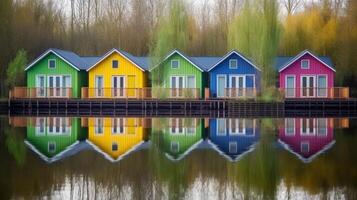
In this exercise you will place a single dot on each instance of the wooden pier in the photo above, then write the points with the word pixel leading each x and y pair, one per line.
pixel 179 107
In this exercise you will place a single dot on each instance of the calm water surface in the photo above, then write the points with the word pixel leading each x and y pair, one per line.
pixel 177 158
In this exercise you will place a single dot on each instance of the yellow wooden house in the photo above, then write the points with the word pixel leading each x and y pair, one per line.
pixel 115 138
pixel 117 74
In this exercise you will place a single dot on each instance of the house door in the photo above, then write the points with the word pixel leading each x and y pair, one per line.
pixel 131 89
pixel 99 86
pixel 54 84
pixel 40 86
pixel 118 85
pixel 290 87
pixel 221 85
pixel 237 86
pixel 308 86
pixel 177 84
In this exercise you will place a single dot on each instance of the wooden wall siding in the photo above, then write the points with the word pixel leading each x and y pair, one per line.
pixel 244 68
pixel 316 68
pixel 185 69
pixel 62 68
pixel 62 141
pixel 133 135
pixel 126 68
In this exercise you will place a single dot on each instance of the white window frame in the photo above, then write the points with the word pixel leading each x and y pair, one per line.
pixel 225 127
pixel 96 132
pixel 176 131
pixel 286 85
pixel 313 133
pixel 236 147
pixel 317 127
pixel 118 128
pixel 194 77
pixel 178 146
pixel 48 146
pixel 308 63
pixel 317 85
pixel 305 143
pixel 230 64
pixel 286 127
pixel 124 85
pixel 313 88
pixel 38 128
pixel 225 84
pixel 96 87
pixel 190 131
pixel 237 131
pixel 38 88
pixel 113 64
pixel 48 63
pixel 55 125
pixel 178 64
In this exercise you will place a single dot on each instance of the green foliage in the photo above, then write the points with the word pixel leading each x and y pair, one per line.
pixel 171 33
pixel 256 32
pixel 15 71
pixel 15 146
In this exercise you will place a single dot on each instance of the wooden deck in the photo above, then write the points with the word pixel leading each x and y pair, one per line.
pixel 179 107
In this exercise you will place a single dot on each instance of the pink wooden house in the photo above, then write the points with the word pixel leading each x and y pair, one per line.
pixel 306 76
pixel 307 137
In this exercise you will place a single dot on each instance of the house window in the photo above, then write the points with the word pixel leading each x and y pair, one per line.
pixel 115 63
pixel 114 146
pixel 305 147
pixel 233 147
pixel 51 63
pixel 289 126
pixel 322 127
pixel 98 126
pixel 51 147
pixel 175 147
pixel 221 127
pixel 236 127
pixel 175 64
pixel 305 64
pixel 117 126
pixel 233 64
pixel 177 126
pixel 40 126
pixel 191 126
pixel 307 126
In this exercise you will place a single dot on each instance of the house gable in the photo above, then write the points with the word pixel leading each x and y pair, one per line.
pixel 242 61
pixel 305 55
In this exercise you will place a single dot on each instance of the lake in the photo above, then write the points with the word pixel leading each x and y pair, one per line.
pixel 177 158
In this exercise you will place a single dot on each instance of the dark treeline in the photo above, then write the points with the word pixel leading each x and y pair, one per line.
pixel 261 29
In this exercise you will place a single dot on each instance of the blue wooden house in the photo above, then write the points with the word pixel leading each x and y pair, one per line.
pixel 234 76
pixel 233 138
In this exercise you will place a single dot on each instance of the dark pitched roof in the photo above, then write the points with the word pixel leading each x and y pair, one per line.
pixel 205 63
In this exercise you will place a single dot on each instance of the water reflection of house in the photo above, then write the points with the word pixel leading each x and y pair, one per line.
pixel 307 137
pixel 179 137
pixel 116 137
pixel 54 138
pixel 233 138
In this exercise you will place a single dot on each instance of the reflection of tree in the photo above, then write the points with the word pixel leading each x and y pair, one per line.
pixel 15 145
pixel 336 169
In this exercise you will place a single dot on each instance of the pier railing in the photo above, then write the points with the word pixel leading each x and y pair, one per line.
pixel 240 93
pixel 314 92
pixel 141 93
pixel 41 92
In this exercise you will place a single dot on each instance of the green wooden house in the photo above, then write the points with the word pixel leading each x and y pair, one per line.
pixel 177 137
pixel 180 76
pixel 57 74
pixel 54 138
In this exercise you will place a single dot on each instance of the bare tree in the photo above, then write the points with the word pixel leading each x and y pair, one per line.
pixel 291 5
